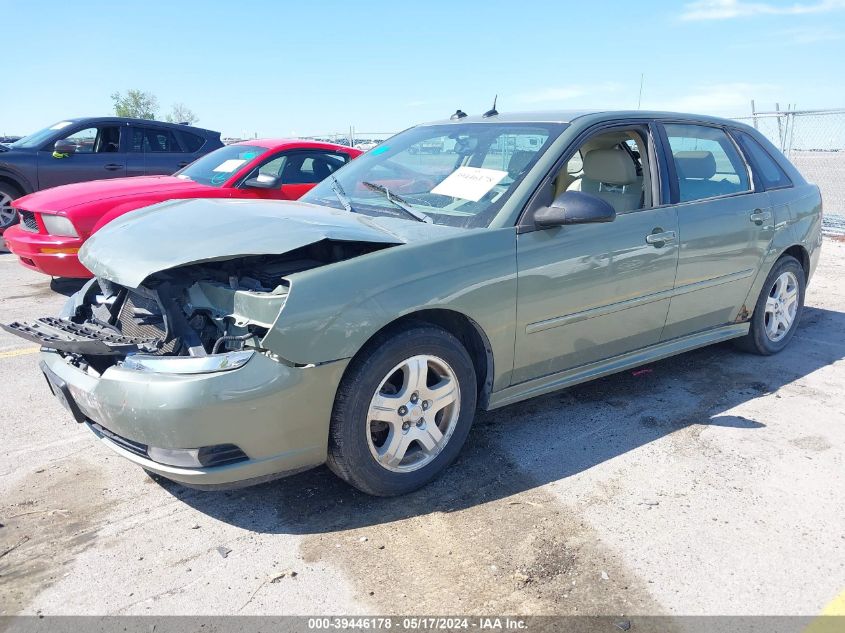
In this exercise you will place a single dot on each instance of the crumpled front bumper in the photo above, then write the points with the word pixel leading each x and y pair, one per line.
pixel 276 414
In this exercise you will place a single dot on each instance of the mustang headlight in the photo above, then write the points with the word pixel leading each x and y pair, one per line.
pixel 58 225
pixel 188 364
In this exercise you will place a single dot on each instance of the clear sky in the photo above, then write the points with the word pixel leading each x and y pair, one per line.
pixel 317 67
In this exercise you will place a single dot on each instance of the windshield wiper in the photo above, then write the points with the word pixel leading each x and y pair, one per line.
pixel 341 194
pixel 397 201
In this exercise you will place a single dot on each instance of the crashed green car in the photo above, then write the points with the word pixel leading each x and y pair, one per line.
pixel 463 264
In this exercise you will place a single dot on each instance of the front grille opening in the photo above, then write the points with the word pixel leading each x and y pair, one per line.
pixel 133 447
pixel 142 317
pixel 28 222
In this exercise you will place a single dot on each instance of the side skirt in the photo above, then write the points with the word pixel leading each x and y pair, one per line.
pixel 571 377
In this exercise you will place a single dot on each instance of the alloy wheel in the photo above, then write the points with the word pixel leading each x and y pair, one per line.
pixel 7 214
pixel 413 413
pixel 781 306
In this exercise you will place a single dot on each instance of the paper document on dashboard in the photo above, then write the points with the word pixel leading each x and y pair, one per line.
pixel 469 183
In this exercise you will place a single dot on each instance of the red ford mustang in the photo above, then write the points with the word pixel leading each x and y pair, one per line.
pixel 54 223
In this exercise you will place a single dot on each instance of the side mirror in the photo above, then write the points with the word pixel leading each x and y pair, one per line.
pixel 64 146
pixel 263 181
pixel 574 207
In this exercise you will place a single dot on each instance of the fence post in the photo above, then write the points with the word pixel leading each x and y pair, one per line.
pixel 780 129
pixel 790 127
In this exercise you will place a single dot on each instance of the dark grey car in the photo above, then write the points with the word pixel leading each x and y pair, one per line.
pixel 75 150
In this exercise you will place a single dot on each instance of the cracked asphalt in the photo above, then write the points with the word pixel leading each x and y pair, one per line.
pixel 709 483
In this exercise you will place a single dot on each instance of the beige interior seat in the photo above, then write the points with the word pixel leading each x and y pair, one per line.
pixel 610 165
pixel 697 176
pixel 611 175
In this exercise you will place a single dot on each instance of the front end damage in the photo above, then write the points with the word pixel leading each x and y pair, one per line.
pixel 174 375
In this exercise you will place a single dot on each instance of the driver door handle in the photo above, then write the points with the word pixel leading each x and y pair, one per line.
pixel 184 163
pixel 759 216
pixel 660 239
pixel 113 166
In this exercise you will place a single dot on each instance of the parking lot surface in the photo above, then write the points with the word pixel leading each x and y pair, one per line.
pixel 709 483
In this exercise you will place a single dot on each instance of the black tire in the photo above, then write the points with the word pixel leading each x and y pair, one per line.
pixel 757 341
pixel 349 454
pixel 10 192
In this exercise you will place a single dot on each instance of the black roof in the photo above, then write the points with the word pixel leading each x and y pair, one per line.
pixel 130 120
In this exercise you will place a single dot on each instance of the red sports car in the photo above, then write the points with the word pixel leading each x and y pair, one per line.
pixel 54 223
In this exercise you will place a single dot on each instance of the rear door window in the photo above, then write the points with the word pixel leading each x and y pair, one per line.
pixel 707 163
pixel 152 140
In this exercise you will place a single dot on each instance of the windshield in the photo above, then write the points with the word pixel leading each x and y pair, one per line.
pixel 217 167
pixel 37 138
pixel 458 174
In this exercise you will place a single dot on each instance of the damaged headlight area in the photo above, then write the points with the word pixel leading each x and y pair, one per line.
pixel 188 364
pixel 199 318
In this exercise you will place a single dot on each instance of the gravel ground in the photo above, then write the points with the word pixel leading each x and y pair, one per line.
pixel 711 483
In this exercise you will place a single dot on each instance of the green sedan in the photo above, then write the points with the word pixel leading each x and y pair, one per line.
pixel 227 342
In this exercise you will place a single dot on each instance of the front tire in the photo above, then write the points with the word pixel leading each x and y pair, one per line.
pixel 778 309
pixel 8 216
pixel 403 411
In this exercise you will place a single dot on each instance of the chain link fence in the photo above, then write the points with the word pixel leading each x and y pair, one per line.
pixel 352 138
pixel 814 140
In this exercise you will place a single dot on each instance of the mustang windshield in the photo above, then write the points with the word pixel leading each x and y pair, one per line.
pixel 217 167
pixel 455 174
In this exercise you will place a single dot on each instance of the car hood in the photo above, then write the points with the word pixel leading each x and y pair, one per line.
pixel 68 196
pixel 181 232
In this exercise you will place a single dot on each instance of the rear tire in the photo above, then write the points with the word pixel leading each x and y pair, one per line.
pixel 402 411
pixel 8 216
pixel 778 309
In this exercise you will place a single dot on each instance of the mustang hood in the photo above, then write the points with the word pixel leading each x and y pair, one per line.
pixel 182 232
pixel 66 197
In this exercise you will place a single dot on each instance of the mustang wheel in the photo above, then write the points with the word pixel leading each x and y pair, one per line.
pixel 403 411
pixel 8 216
pixel 778 309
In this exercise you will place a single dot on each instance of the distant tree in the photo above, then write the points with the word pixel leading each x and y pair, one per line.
pixel 180 113
pixel 136 104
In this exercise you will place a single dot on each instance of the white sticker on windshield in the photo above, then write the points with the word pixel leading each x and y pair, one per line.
pixel 60 125
pixel 469 183
pixel 229 165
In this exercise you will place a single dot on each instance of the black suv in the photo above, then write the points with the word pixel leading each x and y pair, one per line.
pixel 75 150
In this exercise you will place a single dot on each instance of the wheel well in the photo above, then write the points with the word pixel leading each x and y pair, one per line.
pixel 13 183
pixel 467 331
pixel 800 253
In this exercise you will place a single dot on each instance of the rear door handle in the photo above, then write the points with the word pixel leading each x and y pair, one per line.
pixel 659 240
pixel 113 166
pixel 184 163
pixel 759 216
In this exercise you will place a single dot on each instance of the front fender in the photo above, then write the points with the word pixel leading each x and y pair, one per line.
pixel 332 311
pixel 14 173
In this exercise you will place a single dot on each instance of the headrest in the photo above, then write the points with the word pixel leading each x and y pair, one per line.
pixel 612 166
pixel 698 164
pixel 519 160
pixel 321 168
